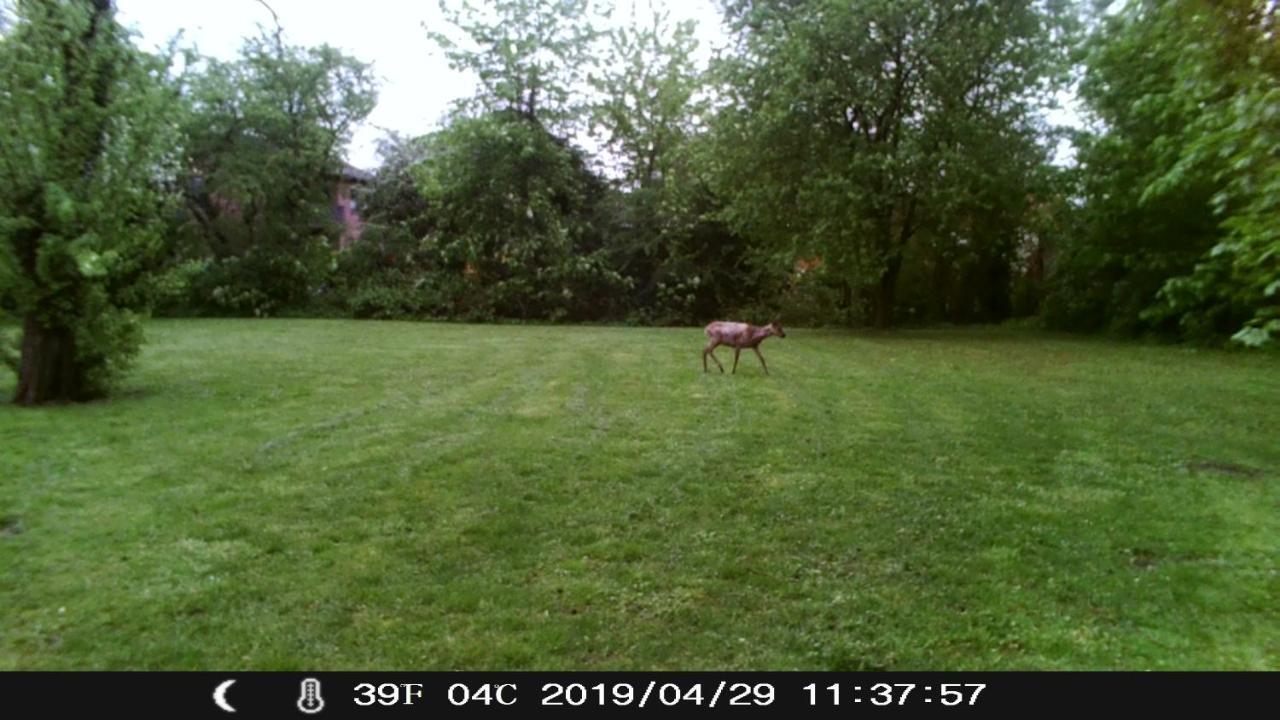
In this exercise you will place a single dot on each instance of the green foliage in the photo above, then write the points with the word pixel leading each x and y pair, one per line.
pixel 510 217
pixel 1130 245
pixel 9 354
pixel 385 301
pixel 858 161
pixel 391 200
pixel 391 274
pixel 680 261
pixel 86 158
pixel 647 107
pixel 263 280
pixel 864 127
pixel 1182 183
pixel 803 298
pixel 513 207
pixel 395 271
pixel 529 56
pixel 264 137
pixel 1229 71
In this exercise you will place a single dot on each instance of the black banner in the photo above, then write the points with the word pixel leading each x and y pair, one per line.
pixel 232 694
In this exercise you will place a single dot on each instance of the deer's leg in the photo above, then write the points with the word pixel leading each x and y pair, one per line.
pixel 736 353
pixel 762 364
pixel 711 350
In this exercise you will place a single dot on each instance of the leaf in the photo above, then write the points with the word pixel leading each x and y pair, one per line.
pixel 1254 337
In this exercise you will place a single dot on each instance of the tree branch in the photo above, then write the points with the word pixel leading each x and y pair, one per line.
pixel 279 33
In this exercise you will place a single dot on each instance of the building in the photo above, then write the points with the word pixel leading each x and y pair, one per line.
pixel 345 209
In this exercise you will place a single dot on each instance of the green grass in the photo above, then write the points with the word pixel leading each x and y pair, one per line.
pixel 341 495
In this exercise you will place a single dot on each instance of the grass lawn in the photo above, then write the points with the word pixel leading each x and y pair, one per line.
pixel 291 494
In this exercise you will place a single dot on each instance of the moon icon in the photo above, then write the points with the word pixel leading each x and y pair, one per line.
pixel 220 696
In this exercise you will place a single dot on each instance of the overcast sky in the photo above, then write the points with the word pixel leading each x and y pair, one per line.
pixel 417 86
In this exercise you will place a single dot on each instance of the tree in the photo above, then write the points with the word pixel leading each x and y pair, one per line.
pixel 513 207
pixel 1129 246
pixel 87 155
pixel 514 201
pixel 646 115
pixel 392 198
pixel 1228 77
pixel 647 108
pixel 529 56
pixel 1180 179
pixel 264 137
pixel 865 126
pixel 395 270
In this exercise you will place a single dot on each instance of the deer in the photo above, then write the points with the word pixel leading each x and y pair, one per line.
pixel 738 336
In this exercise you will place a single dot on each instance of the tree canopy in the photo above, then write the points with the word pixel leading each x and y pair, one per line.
pixel 866 126
pixel 88 156
pixel 879 162
pixel 528 55
pixel 263 140
pixel 1180 180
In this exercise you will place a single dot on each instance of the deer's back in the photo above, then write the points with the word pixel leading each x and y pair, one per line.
pixel 730 333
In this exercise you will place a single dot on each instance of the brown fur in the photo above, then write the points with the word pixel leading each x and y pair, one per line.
pixel 738 336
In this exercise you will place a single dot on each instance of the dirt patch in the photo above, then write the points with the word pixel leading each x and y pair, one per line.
pixel 1142 558
pixel 1224 468
pixel 10 525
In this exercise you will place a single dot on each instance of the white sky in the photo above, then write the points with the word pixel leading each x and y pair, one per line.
pixel 416 87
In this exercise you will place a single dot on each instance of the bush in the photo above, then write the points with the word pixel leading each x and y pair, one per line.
pixel 385 302
pixel 812 301
pixel 262 282
pixel 9 354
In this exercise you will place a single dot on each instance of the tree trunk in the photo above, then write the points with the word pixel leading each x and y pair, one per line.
pixel 885 293
pixel 997 302
pixel 48 371
pixel 941 287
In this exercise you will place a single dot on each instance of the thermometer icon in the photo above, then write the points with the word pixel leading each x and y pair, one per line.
pixel 310 701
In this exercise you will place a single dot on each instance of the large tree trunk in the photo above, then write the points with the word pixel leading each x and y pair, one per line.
pixel 997 299
pixel 885 292
pixel 48 371
pixel 898 229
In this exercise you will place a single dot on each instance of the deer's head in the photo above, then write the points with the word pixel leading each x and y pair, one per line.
pixel 775 328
